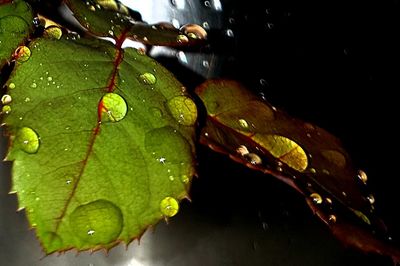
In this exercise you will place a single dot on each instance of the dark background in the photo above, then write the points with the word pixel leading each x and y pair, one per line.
pixel 333 63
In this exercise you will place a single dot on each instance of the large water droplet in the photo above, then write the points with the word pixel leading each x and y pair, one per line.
pixel 113 107
pixel 98 222
pixel 183 109
pixel 53 32
pixel 284 149
pixel 182 38
pixel 28 140
pixel 22 54
pixel 148 78
pixel 194 31
pixel 169 206
pixel 6 99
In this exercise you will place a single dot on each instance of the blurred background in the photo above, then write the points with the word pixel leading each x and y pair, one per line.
pixel 332 63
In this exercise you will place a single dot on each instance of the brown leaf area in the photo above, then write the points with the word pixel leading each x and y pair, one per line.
pixel 304 156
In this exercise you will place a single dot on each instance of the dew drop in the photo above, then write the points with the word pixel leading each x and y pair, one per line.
pixel 229 33
pixel 253 158
pixel 148 78
pixel 182 57
pixel 332 218
pixel 362 176
pixel 194 31
pixel 28 140
pixel 371 199
pixel 113 108
pixel 185 179
pixel 6 99
pixel 97 222
pixel 207 3
pixel 22 54
pixel 243 123
pixel 242 150
pixel 6 109
pixel 49 78
pixel 11 85
pixel 169 206
pixel 205 25
pixel 316 198
pixel 53 32
pixel 33 85
pixel 183 109
pixel 182 38
pixel 206 64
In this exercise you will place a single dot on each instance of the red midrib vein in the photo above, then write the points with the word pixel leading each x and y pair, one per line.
pixel 96 130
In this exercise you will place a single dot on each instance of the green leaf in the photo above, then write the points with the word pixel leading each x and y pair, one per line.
pixel 111 19
pixel 99 153
pixel 308 158
pixel 15 26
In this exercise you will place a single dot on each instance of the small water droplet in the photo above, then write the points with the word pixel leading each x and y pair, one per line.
pixel 6 99
pixel 49 78
pixel 33 85
pixel 11 85
pixel 332 218
pixel 371 199
pixel 253 158
pixel 316 198
pixel 53 32
pixel 113 107
pixel 182 57
pixel 97 222
pixel 182 38
pixel 313 171
pixel 6 109
pixel 206 64
pixel 194 31
pixel 185 179
pixel 243 123
pixel 207 3
pixel 328 200
pixel 242 150
pixel 169 206
pixel 22 54
pixel 205 25
pixel 27 140
pixel 183 109
pixel 229 33
pixel 362 176
pixel 148 78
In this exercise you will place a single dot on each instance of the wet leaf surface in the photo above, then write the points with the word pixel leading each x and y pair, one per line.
pixel 99 153
pixel 112 19
pixel 15 26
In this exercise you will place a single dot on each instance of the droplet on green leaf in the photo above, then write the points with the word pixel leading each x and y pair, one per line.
pixel 148 78
pixel 98 222
pixel 11 85
pixel 53 32
pixel 6 109
pixel 113 108
pixel 6 99
pixel 169 206
pixel 284 149
pixel 22 54
pixel 28 140
pixel 183 109
pixel 243 123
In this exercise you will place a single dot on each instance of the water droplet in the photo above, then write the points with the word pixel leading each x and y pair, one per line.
pixel 169 206
pixel 183 109
pixel 49 78
pixel 22 54
pixel 205 25
pixel 113 107
pixel 206 64
pixel 362 176
pixel 332 218
pixel 371 199
pixel 207 3
pixel 11 85
pixel 148 78
pixel 243 123
pixel 328 200
pixel 6 99
pixel 316 198
pixel 253 158
pixel 194 31
pixel 98 222
pixel 182 57
pixel 284 149
pixel 6 109
pixel 33 85
pixel 229 33
pixel 242 150
pixel 53 32
pixel 182 38
pixel 185 179
pixel 28 140
pixel 313 171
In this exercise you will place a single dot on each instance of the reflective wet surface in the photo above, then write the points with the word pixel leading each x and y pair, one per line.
pixel 330 65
